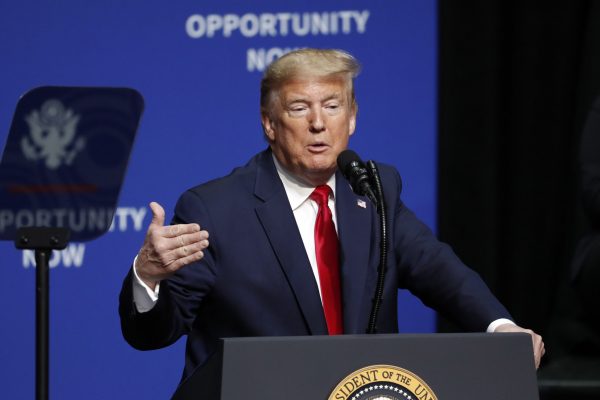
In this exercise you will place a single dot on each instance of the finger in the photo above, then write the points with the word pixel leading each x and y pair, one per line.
pixel 169 257
pixel 541 347
pixel 186 239
pixel 158 214
pixel 183 261
pixel 539 350
pixel 173 231
pixel 184 251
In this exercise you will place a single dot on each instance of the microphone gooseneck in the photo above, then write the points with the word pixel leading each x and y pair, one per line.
pixel 383 249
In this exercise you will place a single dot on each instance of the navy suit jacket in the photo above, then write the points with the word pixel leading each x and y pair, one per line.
pixel 256 279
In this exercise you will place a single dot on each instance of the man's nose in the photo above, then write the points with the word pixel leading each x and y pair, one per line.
pixel 317 123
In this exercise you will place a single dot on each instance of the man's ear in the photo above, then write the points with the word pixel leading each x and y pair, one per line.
pixel 268 126
pixel 352 124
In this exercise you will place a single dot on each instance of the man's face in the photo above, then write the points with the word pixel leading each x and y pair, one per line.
pixel 310 124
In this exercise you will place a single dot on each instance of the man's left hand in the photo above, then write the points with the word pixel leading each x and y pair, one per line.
pixel 538 343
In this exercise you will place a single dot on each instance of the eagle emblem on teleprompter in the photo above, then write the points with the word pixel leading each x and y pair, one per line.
pixel 52 132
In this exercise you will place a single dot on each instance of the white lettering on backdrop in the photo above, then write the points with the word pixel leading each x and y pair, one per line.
pixel 280 24
pixel 125 219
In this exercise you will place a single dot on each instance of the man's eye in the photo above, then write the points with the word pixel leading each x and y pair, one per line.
pixel 333 107
pixel 297 110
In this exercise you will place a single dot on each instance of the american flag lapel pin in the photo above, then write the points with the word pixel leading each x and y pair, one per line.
pixel 361 203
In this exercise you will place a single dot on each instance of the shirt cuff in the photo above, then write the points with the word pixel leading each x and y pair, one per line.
pixel 143 296
pixel 495 324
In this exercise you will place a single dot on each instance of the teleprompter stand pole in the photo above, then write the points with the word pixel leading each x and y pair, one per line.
pixel 42 315
pixel 42 241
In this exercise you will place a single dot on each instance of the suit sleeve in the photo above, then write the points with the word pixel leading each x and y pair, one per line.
pixel 432 272
pixel 180 296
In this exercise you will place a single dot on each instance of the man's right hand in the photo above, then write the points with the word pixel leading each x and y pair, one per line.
pixel 166 249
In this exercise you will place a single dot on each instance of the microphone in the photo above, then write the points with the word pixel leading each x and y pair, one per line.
pixel 355 171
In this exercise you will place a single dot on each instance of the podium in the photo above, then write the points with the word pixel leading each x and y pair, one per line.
pixel 360 367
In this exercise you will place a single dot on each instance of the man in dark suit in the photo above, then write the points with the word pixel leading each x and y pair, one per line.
pixel 263 273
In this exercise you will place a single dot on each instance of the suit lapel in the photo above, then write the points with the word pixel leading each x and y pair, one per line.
pixel 354 231
pixel 280 227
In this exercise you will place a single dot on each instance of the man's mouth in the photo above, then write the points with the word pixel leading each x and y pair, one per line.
pixel 317 147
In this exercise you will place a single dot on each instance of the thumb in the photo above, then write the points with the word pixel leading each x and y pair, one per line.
pixel 158 214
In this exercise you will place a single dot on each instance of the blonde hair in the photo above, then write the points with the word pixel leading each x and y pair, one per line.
pixel 310 63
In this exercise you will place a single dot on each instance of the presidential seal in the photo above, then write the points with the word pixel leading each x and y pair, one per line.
pixel 382 382
pixel 53 135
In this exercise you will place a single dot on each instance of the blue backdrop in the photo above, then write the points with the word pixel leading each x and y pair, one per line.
pixel 198 66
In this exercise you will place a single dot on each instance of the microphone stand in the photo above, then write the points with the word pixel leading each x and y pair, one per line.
pixel 383 247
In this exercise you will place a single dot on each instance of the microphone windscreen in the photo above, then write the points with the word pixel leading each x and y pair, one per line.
pixel 345 159
pixel 355 171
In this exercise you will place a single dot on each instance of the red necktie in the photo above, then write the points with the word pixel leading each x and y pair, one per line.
pixel 326 248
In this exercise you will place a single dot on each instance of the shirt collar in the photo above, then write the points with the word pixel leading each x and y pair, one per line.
pixel 298 192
